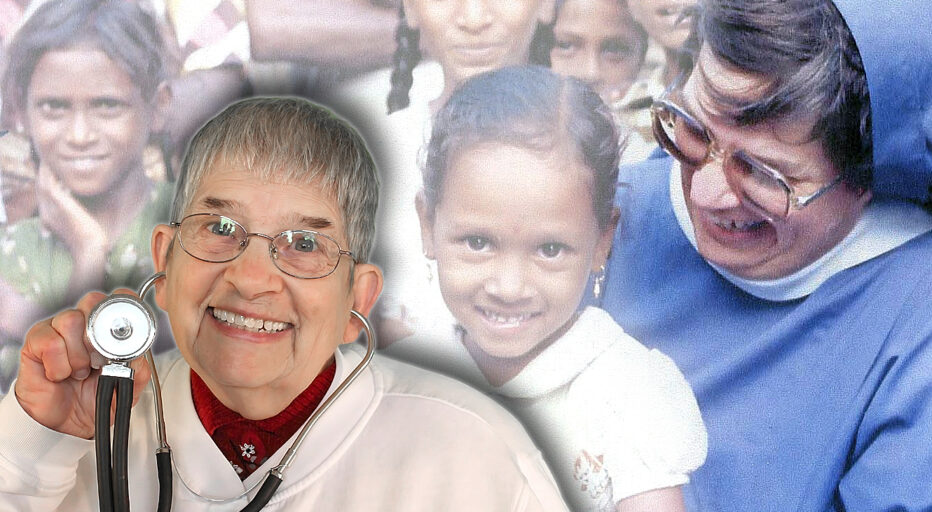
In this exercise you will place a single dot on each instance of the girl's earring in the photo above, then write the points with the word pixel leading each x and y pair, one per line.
pixel 598 282
pixel 430 270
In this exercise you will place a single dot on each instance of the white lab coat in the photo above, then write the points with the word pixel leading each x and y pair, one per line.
pixel 400 438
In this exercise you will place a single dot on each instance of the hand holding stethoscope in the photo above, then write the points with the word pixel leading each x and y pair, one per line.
pixel 59 370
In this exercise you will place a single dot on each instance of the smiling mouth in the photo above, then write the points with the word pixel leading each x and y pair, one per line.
pixel 248 323
pixel 736 226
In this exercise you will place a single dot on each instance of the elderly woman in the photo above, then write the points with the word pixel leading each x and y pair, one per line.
pixel 780 256
pixel 258 323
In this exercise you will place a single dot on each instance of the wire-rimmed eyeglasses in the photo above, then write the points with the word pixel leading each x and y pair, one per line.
pixel 299 253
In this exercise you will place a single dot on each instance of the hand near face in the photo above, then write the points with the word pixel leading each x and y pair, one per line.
pixel 67 218
pixel 59 369
pixel 69 221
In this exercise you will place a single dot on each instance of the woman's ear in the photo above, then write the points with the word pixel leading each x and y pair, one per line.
pixel 410 14
pixel 427 225
pixel 604 245
pixel 367 285
pixel 163 237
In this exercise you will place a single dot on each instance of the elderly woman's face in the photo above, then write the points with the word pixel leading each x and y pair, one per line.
pixel 731 233
pixel 285 329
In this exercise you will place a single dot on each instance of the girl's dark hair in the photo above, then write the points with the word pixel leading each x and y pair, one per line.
pixel 125 32
pixel 806 48
pixel 408 55
pixel 529 107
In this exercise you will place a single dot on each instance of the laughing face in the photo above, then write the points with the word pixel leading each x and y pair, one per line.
pixel 469 37
pixel 515 242
pixel 87 119
pixel 245 326
pixel 733 235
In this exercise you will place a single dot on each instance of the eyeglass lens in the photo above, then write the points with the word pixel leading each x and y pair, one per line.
pixel 688 141
pixel 217 239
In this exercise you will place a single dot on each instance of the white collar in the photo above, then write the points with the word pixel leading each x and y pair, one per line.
pixel 592 333
pixel 884 225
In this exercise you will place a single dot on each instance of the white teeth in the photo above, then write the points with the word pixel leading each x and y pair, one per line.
pixel 506 319
pixel 248 323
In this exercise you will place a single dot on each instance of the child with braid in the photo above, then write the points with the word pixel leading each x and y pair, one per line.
pixel 463 41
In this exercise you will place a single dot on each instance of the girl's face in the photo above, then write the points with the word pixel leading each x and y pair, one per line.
pixel 468 37
pixel 87 119
pixel 597 42
pixel 515 239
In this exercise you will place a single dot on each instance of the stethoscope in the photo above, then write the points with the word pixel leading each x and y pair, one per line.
pixel 122 328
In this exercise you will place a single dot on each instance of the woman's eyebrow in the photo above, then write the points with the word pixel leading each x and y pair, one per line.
pixel 215 203
pixel 312 222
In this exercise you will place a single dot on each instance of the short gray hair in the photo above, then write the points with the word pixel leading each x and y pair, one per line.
pixel 294 140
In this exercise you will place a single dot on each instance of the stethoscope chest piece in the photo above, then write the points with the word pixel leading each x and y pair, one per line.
pixel 121 327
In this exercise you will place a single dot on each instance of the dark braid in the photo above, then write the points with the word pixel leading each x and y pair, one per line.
pixel 541 44
pixel 407 55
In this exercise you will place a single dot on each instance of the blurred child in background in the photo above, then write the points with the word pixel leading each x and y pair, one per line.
pixel 600 43
pixel 86 81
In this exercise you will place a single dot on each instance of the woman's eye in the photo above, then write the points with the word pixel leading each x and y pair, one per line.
pixel 617 49
pixel 306 243
pixel 109 107
pixel 551 250
pixel 476 243
pixel 53 107
pixel 223 227
pixel 565 46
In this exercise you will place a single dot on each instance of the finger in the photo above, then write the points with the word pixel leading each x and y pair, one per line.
pixel 45 347
pixel 70 325
pixel 141 376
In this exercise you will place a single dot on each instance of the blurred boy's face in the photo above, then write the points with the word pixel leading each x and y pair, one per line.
pixel 515 239
pixel 87 119
pixel 598 43
pixel 469 37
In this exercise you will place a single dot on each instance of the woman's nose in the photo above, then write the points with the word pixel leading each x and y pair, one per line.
pixel 253 273
pixel 709 188
pixel 591 68
pixel 81 130
pixel 474 15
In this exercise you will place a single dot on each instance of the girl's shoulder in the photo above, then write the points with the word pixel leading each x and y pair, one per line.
pixel 640 395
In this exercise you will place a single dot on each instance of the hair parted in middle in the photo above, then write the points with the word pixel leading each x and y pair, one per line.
pixel 294 141
pixel 529 107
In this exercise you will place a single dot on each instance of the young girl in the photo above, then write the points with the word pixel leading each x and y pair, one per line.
pixel 85 80
pixel 517 212
pixel 464 38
